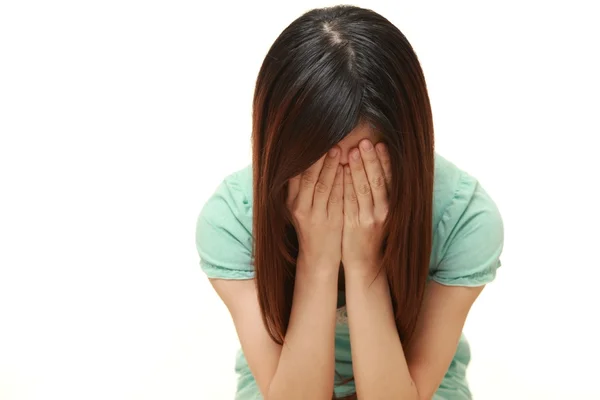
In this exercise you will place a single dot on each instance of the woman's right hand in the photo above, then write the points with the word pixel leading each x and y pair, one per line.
pixel 315 200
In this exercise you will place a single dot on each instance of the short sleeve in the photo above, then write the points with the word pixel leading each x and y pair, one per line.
pixel 474 237
pixel 223 232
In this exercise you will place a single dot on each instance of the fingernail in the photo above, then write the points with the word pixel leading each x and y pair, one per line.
pixel 381 147
pixel 333 152
pixel 355 155
pixel 366 145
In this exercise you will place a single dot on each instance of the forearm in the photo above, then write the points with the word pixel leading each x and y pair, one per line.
pixel 379 363
pixel 307 362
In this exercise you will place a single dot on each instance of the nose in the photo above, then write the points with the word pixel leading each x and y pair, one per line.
pixel 344 156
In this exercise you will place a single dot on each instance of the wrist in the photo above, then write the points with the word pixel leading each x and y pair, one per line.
pixel 364 273
pixel 317 268
pixel 362 287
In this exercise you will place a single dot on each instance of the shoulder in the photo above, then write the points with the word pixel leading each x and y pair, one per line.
pixel 231 201
pixel 224 228
pixel 467 226
pixel 448 182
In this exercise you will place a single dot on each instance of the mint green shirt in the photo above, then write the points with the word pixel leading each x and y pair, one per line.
pixel 468 237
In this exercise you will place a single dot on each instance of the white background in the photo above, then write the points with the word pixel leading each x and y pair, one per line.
pixel 119 118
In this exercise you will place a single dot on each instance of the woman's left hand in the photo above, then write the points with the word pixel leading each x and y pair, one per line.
pixel 365 207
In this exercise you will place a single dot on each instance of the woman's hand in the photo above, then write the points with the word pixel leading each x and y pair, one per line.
pixel 315 200
pixel 365 208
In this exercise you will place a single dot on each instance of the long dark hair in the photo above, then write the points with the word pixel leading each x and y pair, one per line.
pixel 328 71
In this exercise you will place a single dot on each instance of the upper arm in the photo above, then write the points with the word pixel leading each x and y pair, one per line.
pixel 473 238
pixel 261 352
pixel 224 244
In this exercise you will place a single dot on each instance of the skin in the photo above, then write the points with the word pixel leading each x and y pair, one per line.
pixel 339 205
pixel 382 369
pixel 351 141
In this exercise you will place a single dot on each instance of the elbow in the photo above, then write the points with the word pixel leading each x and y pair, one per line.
pixel 293 386
pixel 288 396
pixel 418 395
pixel 274 393
pixel 422 396
pixel 279 393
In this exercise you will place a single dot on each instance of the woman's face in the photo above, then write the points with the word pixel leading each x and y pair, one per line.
pixel 351 141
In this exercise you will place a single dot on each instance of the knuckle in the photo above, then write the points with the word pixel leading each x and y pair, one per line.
pixel 298 213
pixel 308 181
pixel 364 188
pixel 330 164
pixel 350 220
pixel 368 221
pixel 351 197
pixel 371 160
pixel 384 211
pixel 381 216
pixel 321 187
pixel 378 182
pixel 335 198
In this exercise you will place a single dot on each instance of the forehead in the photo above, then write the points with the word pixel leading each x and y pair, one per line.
pixel 362 131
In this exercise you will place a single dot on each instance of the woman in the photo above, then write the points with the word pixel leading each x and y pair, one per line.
pixel 348 232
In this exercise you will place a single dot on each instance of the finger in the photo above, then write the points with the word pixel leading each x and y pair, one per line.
pixel 335 204
pixel 350 199
pixel 326 178
pixel 293 188
pixel 308 180
pixel 375 174
pixel 384 159
pixel 361 183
